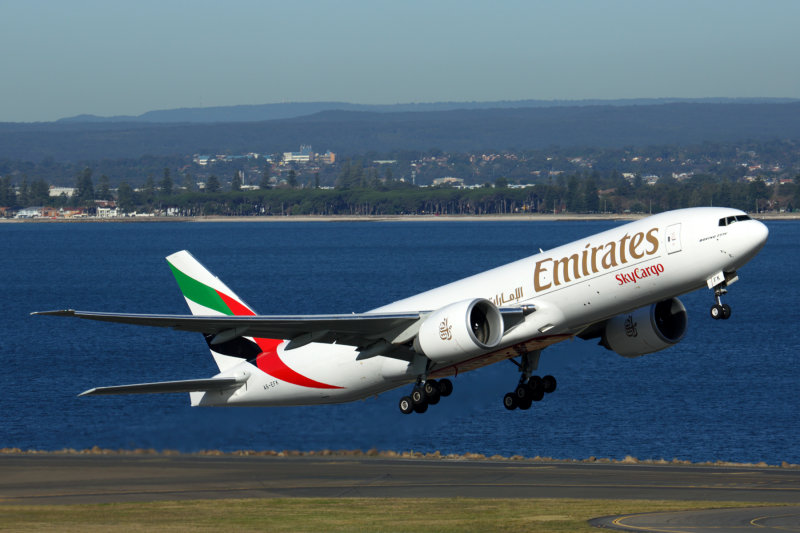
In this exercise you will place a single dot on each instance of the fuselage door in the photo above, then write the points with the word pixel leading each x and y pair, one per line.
pixel 673 238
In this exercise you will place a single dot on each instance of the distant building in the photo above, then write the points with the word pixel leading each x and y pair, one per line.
pixel 107 212
pixel 29 212
pixel 58 191
pixel 303 156
pixel 448 180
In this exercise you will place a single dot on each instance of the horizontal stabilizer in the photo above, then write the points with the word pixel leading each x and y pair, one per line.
pixel 186 385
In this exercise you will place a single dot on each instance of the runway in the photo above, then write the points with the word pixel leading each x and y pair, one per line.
pixel 69 479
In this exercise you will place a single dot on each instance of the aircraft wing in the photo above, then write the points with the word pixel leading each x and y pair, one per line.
pixel 358 330
pixel 186 385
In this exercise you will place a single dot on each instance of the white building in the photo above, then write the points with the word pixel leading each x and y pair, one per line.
pixel 58 191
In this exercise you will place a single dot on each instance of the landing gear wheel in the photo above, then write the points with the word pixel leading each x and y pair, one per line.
pixel 549 383
pixel 432 392
pixel 726 311
pixel 536 384
pixel 510 401
pixel 406 406
pixel 417 396
pixel 525 404
pixel 522 392
pixel 420 407
pixel 445 387
pixel 537 395
pixel 717 311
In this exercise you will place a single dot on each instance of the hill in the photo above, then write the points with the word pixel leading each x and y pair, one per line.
pixel 357 132
pixel 258 113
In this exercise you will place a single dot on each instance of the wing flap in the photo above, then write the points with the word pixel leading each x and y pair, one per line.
pixel 186 385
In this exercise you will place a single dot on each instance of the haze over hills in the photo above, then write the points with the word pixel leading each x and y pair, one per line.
pixel 349 132
pixel 257 113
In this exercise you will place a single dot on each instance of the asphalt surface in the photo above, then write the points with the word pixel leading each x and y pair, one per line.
pixel 71 479
pixel 708 521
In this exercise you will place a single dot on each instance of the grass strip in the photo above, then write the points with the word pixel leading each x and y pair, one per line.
pixel 339 514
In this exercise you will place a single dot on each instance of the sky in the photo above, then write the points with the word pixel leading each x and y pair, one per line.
pixel 107 57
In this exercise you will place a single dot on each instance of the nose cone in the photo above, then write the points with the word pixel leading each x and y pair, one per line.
pixel 750 241
pixel 760 233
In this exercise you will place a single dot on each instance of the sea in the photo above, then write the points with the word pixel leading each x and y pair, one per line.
pixel 727 392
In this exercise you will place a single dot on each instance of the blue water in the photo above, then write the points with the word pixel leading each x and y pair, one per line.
pixel 729 391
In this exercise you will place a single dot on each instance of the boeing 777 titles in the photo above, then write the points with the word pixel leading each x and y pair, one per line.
pixel 619 286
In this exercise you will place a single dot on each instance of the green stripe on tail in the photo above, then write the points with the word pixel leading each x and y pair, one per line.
pixel 199 293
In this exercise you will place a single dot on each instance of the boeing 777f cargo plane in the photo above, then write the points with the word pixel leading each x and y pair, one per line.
pixel 619 286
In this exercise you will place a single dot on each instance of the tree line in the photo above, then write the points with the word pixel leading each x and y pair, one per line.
pixel 361 191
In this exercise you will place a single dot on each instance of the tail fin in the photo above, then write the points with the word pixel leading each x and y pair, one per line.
pixel 207 295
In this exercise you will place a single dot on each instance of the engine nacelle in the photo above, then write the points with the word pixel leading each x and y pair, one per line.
pixel 646 330
pixel 460 330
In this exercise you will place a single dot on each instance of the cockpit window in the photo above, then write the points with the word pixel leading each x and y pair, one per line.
pixel 727 221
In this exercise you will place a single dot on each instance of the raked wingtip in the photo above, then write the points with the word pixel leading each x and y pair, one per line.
pixel 57 312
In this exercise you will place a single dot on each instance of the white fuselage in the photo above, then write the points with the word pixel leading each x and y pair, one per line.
pixel 572 287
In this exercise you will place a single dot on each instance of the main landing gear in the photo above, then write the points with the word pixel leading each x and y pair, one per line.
pixel 425 393
pixel 527 392
pixel 530 388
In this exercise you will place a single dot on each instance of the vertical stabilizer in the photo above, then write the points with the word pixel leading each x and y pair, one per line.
pixel 207 295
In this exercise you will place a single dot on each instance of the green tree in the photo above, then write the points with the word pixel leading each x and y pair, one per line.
pixel 149 191
pixel 125 199
pixel 8 198
pixel 40 192
pixel 188 182
pixel 590 195
pixel 316 180
pixel 104 189
pixel 166 183
pixel 236 181
pixel 292 181
pixel 84 188
pixel 24 192
pixel 212 184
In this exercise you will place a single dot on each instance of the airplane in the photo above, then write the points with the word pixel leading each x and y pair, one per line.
pixel 619 286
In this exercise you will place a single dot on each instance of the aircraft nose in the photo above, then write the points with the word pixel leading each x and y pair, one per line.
pixel 760 234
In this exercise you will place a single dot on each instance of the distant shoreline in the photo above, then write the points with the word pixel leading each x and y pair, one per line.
pixel 374 218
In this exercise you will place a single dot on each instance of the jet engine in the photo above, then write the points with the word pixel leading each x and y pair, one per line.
pixel 646 330
pixel 460 330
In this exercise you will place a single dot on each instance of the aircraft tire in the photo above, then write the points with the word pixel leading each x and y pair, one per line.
pixel 726 311
pixel 510 401
pixel 434 399
pixel 716 311
pixel 522 392
pixel 417 396
pixel 525 404
pixel 430 387
pixel 406 407
pixel 537 395
pixel 550 384
pixel 420 407
pixel 536 383
pixel 445 387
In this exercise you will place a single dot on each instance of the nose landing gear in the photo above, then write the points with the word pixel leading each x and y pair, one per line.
pixel 720 282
